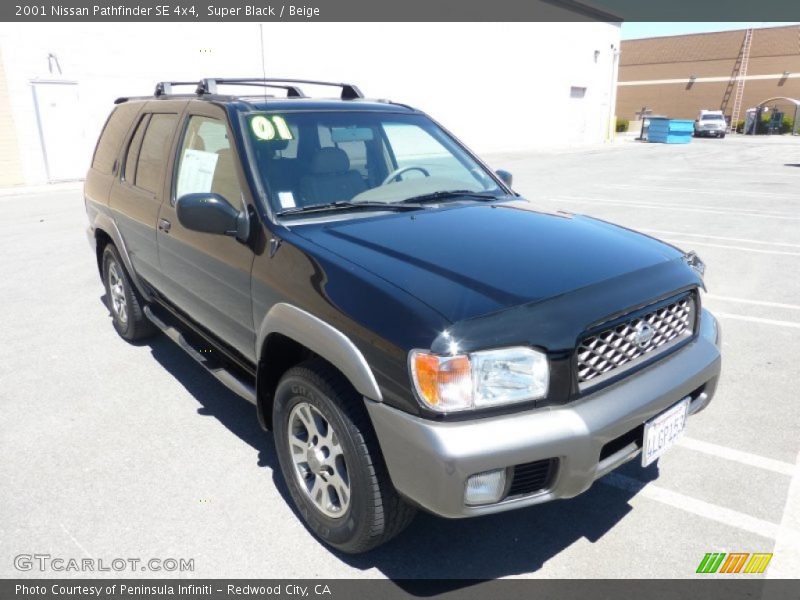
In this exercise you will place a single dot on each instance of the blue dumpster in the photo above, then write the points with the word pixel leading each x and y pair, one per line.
pixel 670 131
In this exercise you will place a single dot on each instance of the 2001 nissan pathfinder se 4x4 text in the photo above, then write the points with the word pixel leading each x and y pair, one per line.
pixel 415 334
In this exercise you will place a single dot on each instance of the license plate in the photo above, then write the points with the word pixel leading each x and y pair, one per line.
pixel 663 431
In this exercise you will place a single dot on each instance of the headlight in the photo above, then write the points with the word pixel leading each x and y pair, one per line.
pixel 695 263
pixel 480 379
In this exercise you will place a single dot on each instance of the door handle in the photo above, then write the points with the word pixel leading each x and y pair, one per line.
pixel 164 225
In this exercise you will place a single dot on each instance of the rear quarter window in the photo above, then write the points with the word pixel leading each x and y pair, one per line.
pixel 108 146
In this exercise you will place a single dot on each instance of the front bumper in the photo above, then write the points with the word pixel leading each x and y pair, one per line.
pixel 429 462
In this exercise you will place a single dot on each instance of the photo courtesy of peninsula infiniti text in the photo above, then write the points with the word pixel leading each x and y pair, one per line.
pixel 415 334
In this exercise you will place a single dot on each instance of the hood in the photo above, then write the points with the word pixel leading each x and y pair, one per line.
pixel 467 261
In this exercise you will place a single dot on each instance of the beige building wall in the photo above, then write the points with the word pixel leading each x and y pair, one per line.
pixel 657 72
pixel 10 164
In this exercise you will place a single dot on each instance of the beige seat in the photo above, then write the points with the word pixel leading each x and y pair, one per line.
pixel 331 178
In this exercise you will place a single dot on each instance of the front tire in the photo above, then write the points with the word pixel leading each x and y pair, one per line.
pixel 331 462
pixel 122 299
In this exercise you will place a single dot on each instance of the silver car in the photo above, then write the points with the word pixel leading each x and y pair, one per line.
pixel 710 124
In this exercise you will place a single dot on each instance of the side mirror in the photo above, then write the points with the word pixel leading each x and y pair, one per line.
pixel 505 176
pixel 211 213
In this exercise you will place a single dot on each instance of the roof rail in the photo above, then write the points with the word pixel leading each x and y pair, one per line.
pixel 209 86
pixel 164 88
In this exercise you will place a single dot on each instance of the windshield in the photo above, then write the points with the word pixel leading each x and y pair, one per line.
pixel 311 159
pixel 712 117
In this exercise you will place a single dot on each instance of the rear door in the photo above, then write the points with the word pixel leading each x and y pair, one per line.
pixel 207 276
pixel 139 190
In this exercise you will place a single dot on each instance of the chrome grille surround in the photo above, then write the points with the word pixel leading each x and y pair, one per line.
pixel 615 350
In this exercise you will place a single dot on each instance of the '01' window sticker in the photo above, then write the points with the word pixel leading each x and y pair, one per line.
pixel 270 128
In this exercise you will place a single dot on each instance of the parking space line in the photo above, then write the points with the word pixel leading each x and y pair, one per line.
pixel 755 302
pixel 792 324
pixel 653 203
pixel 712 512
pixel 717 237
pixel 745 458
pixel 658 188
pixel 729 247
pixel 681 207
pixel 77 543
pixel 786 561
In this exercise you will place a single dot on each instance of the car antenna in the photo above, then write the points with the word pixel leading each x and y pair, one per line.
pixel 263 58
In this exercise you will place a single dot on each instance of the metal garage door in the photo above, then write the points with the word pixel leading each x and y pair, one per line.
pixel 60 129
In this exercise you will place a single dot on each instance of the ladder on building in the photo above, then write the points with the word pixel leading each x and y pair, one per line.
pixel 738 80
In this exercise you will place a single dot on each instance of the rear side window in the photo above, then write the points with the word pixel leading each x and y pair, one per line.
pixel 129 174
pixel 111 138
pixel 154 151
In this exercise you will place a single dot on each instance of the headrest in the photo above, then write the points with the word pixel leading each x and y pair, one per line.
pixel 197 143
pixel 330 160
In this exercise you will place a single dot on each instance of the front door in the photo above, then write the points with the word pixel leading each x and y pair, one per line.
pixel 207 276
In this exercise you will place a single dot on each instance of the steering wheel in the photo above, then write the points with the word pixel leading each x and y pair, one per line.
pixel 397 172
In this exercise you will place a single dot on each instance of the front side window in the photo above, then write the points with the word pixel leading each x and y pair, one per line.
pixel 206 162
pixel 310 159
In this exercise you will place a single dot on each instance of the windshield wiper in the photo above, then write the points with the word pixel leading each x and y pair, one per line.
pixel 342 204
pixel 448 195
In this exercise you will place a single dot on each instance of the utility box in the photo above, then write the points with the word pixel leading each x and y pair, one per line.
pixel 670 131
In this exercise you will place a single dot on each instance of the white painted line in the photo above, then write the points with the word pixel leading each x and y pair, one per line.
pixel 661 188
pixel 686 80
pixel 77 543
pixel 679 207
pixel 756 302
pixel 729 247
pixel 710 207
pixel 786 560
pixel 745 458
pixel 712 512
pixel 792 324
pixel 718 237
pixel 680 177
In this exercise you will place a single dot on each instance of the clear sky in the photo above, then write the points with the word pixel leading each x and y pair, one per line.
pixel 632 31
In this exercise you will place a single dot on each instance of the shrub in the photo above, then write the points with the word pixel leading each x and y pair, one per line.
pixel 622 125
pixel 762 127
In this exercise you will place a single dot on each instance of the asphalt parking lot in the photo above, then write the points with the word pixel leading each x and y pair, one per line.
pixel 114 450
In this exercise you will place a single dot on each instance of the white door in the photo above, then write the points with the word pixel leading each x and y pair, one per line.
pixel 60 129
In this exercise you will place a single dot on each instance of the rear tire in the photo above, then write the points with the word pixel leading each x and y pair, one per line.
pixel 331 461
pixel 123 300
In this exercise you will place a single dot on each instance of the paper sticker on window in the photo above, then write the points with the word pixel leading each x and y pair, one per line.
pixel 268 129
pixel 196 172
pixel 286 199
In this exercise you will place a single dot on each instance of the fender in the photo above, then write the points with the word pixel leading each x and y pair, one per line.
pixel 327 341
pixel 105 223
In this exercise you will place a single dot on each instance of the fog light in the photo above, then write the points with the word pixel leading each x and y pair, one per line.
pixel 485 488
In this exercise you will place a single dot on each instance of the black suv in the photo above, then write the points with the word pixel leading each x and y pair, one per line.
pixel 415 334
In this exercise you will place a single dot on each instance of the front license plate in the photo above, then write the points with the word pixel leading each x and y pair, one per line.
pixel 662 431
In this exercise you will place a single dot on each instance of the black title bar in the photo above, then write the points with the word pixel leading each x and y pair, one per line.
pixel 396 10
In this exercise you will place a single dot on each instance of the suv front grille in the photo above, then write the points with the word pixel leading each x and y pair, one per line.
pixel 622 346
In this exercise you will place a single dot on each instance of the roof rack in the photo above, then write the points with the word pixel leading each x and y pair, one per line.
pixel 209 86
